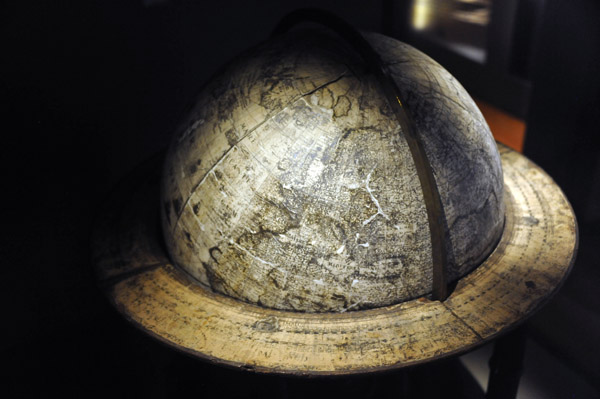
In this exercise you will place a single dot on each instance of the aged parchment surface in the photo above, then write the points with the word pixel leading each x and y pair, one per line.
pixel 291 186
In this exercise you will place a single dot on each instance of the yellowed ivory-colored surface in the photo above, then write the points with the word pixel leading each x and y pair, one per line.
pixel 291 186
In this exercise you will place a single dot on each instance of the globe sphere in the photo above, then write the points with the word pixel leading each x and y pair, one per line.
pixel 290 184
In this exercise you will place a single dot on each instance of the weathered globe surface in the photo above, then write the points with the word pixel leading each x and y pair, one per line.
pixel 290 184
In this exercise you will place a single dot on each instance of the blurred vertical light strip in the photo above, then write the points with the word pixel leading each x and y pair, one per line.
pixel 421 14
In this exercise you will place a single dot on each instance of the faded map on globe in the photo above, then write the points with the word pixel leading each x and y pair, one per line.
pixel 291 185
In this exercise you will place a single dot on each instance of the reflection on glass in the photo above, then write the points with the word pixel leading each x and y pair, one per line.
pixel 458 24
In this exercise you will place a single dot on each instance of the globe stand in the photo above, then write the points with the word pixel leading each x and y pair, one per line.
pixel 506 365
pixel 532 259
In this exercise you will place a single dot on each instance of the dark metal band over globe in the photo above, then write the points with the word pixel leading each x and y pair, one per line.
pixel 431 195
pixel 325 187
pixel 260 269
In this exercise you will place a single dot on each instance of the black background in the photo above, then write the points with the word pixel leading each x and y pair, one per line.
pixel 91 89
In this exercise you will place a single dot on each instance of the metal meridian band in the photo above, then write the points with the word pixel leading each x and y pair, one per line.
pixel 431 195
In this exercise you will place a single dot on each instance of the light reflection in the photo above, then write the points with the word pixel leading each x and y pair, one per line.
pixel 459 25
pixel 422 12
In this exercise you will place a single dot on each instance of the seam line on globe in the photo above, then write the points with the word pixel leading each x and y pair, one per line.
pixel 267 119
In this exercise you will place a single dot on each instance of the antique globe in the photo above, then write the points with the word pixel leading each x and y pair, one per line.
pixel 292 187
pixel 311 216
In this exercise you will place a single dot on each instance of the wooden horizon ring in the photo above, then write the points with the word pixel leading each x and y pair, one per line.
pixel 531 261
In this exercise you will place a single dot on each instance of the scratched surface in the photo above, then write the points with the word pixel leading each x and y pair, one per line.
pixel 290 184
pixel 534 256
